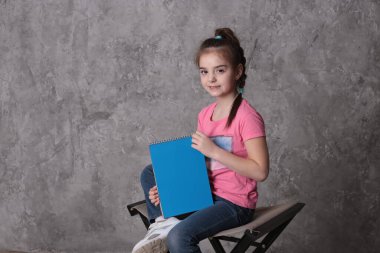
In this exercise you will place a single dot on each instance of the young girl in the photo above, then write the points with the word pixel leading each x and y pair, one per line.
pixel 231 135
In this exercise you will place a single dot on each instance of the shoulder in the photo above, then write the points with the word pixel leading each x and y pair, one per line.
pixel 251 124
pixel 205 110
pixel 246 110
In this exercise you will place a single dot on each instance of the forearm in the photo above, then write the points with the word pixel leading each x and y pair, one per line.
pixel 243 166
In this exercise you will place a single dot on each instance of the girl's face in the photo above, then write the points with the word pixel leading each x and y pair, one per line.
pixel 218 76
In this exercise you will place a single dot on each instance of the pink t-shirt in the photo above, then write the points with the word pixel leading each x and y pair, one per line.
pixel 247 124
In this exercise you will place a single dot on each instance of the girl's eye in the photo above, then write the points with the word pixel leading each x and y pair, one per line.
pixel 203 72
pixel 221 70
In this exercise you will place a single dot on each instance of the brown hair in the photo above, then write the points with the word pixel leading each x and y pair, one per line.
pixel 230 46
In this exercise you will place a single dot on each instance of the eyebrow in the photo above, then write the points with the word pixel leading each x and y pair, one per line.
pixel 215 67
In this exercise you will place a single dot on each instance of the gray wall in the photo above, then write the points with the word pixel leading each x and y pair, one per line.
pixel 87 85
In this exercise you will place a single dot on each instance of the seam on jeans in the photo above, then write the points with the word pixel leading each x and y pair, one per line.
pixel 216 224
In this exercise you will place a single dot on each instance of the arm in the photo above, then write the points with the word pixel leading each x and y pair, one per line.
pixel 255 166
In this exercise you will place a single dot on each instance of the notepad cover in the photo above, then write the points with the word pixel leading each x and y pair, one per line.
pixel 181 177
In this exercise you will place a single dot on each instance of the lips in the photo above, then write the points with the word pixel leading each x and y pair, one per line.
pixel 214 87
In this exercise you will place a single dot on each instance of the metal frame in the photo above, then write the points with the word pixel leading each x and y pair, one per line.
pixel 250 237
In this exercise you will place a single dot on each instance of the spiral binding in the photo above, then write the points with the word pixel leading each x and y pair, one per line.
pixel 171 139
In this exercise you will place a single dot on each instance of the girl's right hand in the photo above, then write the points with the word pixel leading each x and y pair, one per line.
pixel 153 196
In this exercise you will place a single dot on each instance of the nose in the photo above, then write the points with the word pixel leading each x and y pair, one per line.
pixel 211 78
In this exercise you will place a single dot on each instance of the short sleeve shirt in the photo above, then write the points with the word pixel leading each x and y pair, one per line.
pixel 247 124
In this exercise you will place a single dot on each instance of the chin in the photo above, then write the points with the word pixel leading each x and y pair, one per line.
pixel 214 94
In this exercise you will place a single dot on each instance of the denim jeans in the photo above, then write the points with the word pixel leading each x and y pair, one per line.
pixel 147 182
pixel 187 234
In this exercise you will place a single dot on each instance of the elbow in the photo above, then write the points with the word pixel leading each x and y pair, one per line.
pixel 261 178
pixel 263 175
pixel 259 171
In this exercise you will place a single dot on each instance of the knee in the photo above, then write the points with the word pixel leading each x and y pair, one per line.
pixel 178 239
pixel 146 174
pixel 174 241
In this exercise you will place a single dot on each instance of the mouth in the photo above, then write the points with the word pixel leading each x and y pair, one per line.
pixel 214 87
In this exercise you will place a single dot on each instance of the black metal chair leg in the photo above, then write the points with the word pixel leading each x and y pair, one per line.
pixel 215 243
pixel 271 237
pixel 244 242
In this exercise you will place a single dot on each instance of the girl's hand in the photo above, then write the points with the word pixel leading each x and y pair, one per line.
pixel 153 196
pixel 204 144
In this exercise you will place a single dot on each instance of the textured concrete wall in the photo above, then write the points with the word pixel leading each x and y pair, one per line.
pixel 87 85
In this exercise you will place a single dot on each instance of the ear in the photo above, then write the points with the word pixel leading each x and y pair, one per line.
pixel 238 71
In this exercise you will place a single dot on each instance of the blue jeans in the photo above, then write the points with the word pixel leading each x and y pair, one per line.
pixel 187 234
pixel 147 182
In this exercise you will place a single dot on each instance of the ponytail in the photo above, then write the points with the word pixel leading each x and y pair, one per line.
pixel 234 109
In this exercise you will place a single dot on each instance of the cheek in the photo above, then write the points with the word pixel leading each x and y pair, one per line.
pixel 226 79
pixel 203 80
pixel 232 79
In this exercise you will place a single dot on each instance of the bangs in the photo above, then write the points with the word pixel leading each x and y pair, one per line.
pixel 222 50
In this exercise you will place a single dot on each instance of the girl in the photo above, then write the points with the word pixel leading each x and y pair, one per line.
pixel 231 135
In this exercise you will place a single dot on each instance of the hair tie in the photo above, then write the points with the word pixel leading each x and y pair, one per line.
pixel 240 90
pixel 218 37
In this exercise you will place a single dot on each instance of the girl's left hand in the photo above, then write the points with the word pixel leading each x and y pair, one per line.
pixel 203 144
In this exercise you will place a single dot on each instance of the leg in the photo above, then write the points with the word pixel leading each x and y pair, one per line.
pixel 187 234
pixel 147 182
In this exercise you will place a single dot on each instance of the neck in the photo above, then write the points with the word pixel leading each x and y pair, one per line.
pixel 225 103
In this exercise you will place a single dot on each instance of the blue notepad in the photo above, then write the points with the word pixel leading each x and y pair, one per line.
pixel 181 177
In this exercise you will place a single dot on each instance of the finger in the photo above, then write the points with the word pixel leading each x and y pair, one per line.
pixel 195 147
pixel 153 190
pixel 195 135
pixel 153 201
pixel 153 194
pixel 199 133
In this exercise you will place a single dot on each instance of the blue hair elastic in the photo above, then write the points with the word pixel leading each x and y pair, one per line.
pixel 240 90
pixel 218 37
